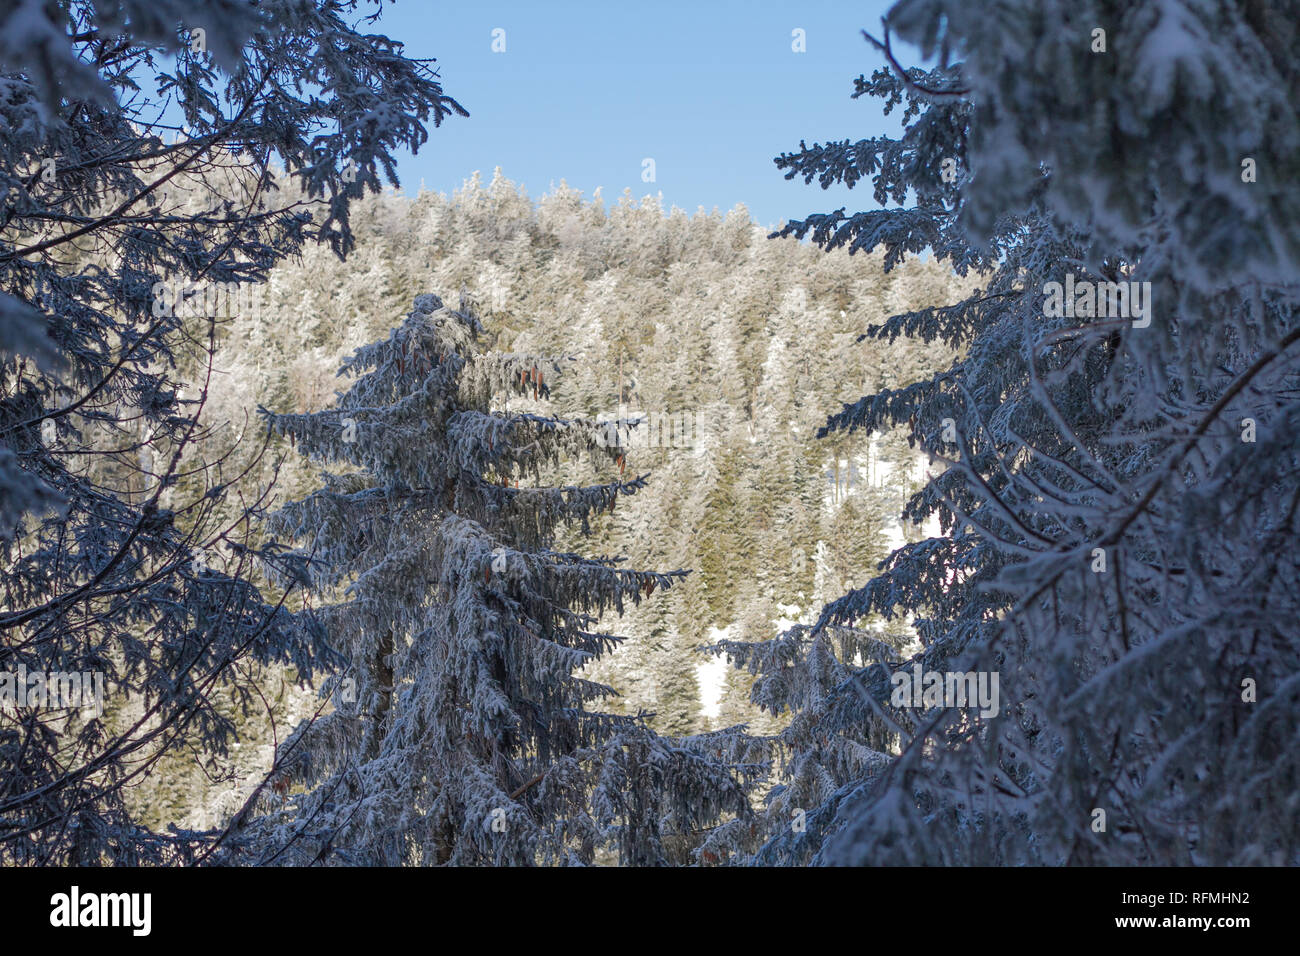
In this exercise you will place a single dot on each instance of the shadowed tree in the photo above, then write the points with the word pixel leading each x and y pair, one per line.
pixel 1121 472
pixel 120 213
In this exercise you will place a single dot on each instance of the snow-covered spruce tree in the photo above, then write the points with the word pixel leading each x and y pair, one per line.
pixel 103 379
pixel 1121 487
pixel 462 733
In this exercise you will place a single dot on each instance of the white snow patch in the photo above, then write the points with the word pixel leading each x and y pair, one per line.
pixel 712 675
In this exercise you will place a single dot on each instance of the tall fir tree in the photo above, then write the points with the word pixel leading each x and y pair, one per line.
pixel 460 732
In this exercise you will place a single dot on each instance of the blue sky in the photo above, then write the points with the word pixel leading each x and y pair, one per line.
pixel 585 91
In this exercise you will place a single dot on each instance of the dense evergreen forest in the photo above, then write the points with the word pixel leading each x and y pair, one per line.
pixel 343 526
pixel 700 328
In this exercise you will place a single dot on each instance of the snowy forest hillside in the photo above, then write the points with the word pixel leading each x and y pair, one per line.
pixel 730 346
pixel 342 527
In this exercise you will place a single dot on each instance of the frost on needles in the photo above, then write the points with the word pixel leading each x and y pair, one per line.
pixel 1118 496
pixel 461 731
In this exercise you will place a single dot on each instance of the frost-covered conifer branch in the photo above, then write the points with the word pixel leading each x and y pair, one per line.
pixel 127 553
pixel 1108 473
